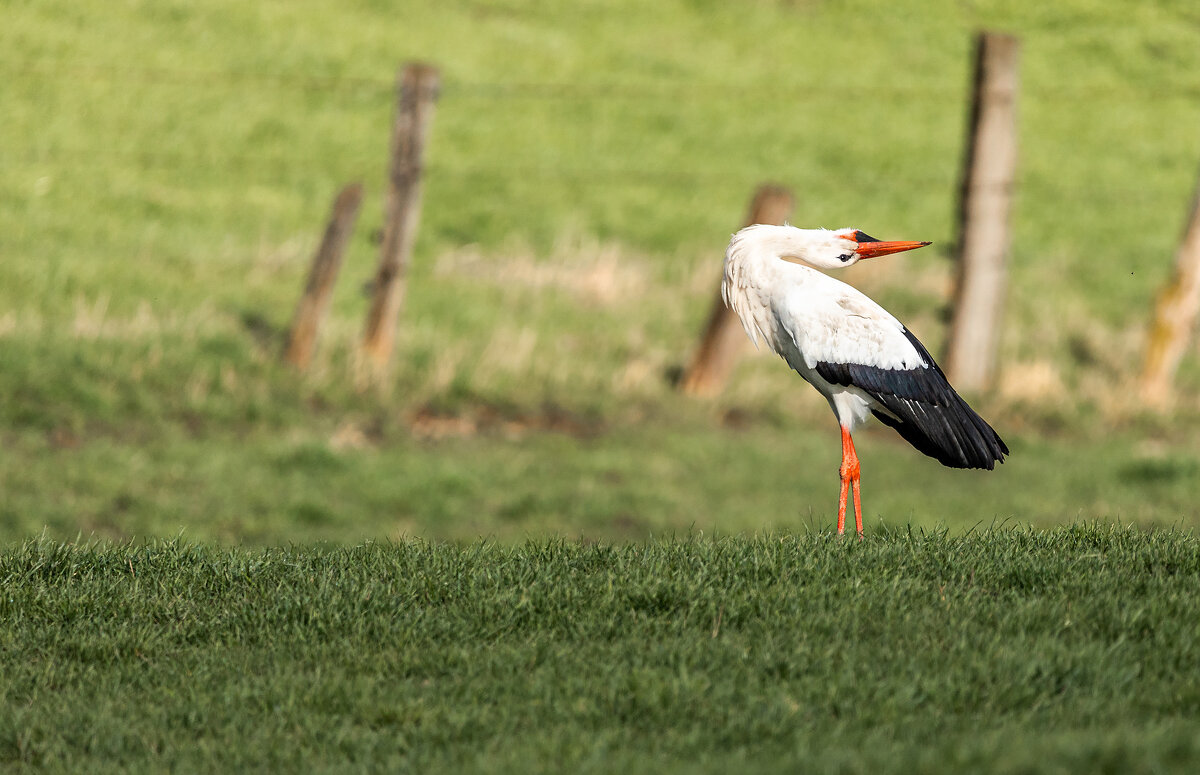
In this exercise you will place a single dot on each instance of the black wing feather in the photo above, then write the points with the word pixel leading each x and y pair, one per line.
pixel 924 409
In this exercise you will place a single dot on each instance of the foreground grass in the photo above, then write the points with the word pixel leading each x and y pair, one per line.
pixel 1007 651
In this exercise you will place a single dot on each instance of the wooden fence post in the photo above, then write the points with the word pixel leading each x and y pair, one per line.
pixel 723 339
pixel 1174 314
pixel 985 203
pixel 417 90
pixel 321 276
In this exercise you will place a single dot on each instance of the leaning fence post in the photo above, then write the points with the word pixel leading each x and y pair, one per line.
pixel 1174 314
pixel 985 202
pixel 417 89
pixel 723 339
pixel 314 302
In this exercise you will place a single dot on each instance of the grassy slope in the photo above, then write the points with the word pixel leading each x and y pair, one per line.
pixel 625 483
pixel 164 169
pixel 1069 650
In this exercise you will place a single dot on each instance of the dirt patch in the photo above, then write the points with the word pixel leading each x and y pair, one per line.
pixel 429 422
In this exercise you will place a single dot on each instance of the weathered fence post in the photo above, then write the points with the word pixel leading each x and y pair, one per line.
pixel 985 202
pixel 417 90
pixel 314 302
pixel 723 339
pixel 1174 314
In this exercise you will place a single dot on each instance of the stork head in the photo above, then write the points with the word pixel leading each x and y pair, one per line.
pixel 818 248
pixel 753 258
pixel 840 248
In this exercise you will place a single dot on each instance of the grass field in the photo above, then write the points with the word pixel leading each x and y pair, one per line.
pixel 1070 650
pixel 525 552
pixel 165 169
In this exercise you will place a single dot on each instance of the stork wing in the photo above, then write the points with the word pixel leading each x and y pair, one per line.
pixel 849 340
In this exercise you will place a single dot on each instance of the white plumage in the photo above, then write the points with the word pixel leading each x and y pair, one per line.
pixel 855 353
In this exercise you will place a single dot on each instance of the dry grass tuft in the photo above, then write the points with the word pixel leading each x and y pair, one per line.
pixel 601 273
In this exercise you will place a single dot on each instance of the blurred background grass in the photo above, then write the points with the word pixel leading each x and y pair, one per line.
pixel 166 168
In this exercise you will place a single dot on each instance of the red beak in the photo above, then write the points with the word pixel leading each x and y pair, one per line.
pixel 869 247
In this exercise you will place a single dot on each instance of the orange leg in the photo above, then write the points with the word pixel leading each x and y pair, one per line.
pixel 849 473
pixel 857 506
pixel 842 508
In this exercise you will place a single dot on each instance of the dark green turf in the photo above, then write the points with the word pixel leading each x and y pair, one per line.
pixel 1075 649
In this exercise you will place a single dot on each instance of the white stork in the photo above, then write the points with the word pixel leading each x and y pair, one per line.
pixel 849 348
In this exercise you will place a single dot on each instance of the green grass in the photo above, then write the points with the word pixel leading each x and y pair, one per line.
pixel 1009 650
pixel 622 483
pixel 165 169
pixel 139 333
